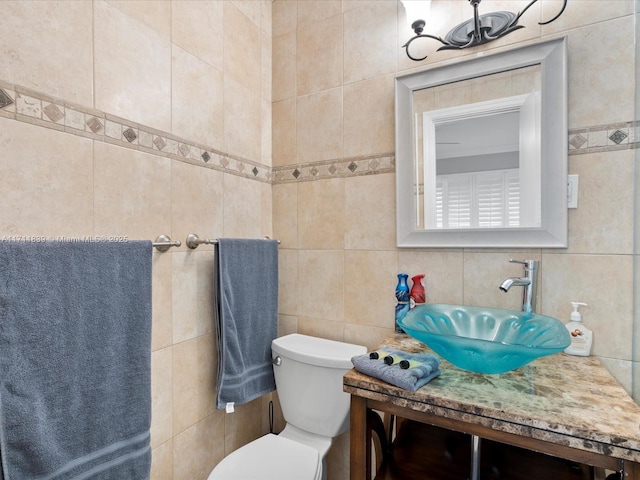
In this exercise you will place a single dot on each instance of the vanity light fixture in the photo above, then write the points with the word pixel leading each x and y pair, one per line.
pixel 476 31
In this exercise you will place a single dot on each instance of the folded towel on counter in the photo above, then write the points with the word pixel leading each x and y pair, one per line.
pixel 424 368
pixel 246 307
pixel 75 357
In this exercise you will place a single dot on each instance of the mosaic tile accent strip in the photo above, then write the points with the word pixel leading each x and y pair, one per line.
pixel 36 108
pixel 24 105
pixel 339 168
pixel 5 99
pixel 603 138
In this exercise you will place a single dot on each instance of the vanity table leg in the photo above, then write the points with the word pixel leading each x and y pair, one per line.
pixel 360 444
pixel 475 457
pixel 631 471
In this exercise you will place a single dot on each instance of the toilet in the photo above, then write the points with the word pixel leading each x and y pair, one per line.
pixel 308 372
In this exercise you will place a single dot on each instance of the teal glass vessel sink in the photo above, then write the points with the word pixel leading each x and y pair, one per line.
pixel 485 340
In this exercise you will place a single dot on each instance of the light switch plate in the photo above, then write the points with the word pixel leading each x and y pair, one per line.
pixel 572 191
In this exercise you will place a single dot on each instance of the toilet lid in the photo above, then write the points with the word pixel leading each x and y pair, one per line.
pixel 270 458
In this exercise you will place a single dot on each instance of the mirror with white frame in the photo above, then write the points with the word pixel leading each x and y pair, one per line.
pixel 481 151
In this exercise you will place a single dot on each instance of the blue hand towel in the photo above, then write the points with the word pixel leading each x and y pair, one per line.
pixel 410 379
pixel 246 305
pixel 75 352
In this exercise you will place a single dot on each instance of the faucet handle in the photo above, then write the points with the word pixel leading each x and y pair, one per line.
pixel 530 264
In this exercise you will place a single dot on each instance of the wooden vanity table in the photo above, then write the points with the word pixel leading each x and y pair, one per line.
pixel 565 406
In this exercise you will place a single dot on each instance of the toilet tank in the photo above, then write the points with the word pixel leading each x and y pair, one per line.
pixel 308 377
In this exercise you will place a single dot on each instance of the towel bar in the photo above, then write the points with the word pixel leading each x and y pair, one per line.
pixel 163 243
pixel 193 241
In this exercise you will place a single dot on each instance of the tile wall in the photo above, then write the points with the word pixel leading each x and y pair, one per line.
pixel 251 117
pixel 334 186
pixel 140 118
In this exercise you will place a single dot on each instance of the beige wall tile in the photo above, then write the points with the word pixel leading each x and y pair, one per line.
pixel 284 133
pixel 242 120
pixel 266 45
pixel 321 214
pixel 154 14
pixel 195 365
pixel 162 462
pixel 321 284
pixel 252 9
pixel 161 393
pixel 35 54
pixel 371 45
pixel 288 281
pixel 370 212
pixel 322 328
pixel 319 121
pixel 266 133
pixel 192 294
pixel 605 283
pixel 131 193
pixel 284 66
pixel 366 272
pixel 266 204
pixel 132 68
pixel 369 117
pixel 197 100
pixel 197 203
pixel 242 52
pixel 242 427
pixel 46 181
pixel 267 17
pixel 366 335
pixel 162 329
pixel 603 221
pixel 443 270
pixel 195 27
pixel 600 66
pixel 580 14
pixel 287 324
pixel 285 16
pixel 285 214
pixel 197 450
pixel 319 68
pixel 242 213
pixel 316 10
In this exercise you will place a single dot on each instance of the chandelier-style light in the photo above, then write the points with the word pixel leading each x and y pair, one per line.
pixel 475 31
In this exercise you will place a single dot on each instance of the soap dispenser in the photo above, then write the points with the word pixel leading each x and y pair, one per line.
pixel 581 336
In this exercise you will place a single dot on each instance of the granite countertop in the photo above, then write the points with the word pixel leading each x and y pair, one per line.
pixel 564 399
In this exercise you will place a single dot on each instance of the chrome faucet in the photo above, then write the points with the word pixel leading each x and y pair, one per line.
pixel 529 283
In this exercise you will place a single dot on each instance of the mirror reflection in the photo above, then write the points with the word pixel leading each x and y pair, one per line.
pixel 478 152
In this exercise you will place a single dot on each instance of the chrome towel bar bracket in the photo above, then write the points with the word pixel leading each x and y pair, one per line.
pixel 193 241
pixel 163 243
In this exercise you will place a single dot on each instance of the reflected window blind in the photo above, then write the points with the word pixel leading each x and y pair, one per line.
pixel 478 199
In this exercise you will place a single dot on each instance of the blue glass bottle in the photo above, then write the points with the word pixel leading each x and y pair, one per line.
pixel 402 299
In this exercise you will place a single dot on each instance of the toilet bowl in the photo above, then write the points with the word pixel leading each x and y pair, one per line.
pixel 308 372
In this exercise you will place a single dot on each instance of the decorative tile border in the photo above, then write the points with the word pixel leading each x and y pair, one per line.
pixel 38 109
pixel 603 138
pixel 345 167
pixel 31 107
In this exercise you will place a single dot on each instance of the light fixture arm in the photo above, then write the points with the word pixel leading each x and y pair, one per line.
pixel 477 30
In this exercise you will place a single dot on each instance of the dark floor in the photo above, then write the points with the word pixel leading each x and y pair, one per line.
pixel 425 452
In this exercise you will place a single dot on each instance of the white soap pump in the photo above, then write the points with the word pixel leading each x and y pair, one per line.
pixel 581 336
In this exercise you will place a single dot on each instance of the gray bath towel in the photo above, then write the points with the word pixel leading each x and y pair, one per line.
pixel 424 368
pixel 246 301
pixel 75 325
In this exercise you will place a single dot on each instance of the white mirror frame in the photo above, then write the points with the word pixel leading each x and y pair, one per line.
pixel 552 57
